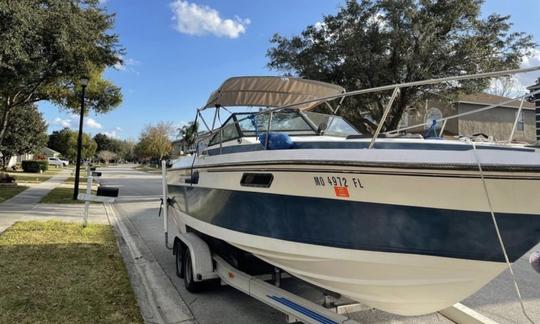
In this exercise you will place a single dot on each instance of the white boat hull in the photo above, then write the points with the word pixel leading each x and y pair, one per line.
pixel 398 283
pixel 407 238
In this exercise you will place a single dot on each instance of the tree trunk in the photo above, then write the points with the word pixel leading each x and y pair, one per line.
pixel 398 111
pixel 4 121
pixel 3 127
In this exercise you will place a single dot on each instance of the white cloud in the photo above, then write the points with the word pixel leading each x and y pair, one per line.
pixel 127 64
pixel 119 129
pixel 111 134
pixel 528 79
pixel 319 25
pixel 92 123
pixel 517 84
pixel 193 19
pixel 531 60
pixel 182 123
pixel 62 122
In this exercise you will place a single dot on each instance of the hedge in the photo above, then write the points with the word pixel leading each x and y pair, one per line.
pixel 35 166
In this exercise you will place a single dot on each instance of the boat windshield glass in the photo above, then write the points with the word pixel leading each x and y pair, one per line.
pixel 292 122
pixel 282 121
pixel 337 126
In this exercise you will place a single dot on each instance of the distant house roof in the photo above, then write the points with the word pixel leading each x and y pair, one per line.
pixel 48 151
pixel 486 99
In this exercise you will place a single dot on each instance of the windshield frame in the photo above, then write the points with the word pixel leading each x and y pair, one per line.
pixel 239 117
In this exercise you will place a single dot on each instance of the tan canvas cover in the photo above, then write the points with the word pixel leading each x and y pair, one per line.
pixel 270 91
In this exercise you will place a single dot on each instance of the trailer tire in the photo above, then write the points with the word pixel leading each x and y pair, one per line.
pixel 179 262
pixel 190 284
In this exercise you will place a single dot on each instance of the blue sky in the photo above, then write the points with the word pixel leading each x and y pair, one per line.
pixel 180 51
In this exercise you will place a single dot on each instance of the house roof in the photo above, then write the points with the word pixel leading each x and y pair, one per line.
pixel 486 99
pixel 47 150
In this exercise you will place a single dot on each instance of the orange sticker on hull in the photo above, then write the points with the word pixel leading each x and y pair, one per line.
pixel 341 192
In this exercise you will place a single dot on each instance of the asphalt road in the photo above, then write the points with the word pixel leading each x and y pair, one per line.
pixel 139 201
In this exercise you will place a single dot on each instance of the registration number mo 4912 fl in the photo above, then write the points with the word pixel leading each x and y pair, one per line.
pixel 340 184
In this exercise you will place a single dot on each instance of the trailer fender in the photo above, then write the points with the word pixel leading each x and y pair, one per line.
pixel 203 266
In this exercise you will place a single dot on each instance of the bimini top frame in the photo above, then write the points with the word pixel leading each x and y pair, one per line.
pixel 255 95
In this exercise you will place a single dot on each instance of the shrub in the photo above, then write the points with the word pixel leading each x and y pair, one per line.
pixel 7 179
pixel 35 166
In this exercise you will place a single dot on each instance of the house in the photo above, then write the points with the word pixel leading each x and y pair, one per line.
pixel 180 147
pixel 536 98
pixel 496 123
pixel 47 152
pixel 50 152
pixel 14 160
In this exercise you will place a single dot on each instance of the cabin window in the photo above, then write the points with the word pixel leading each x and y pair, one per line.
pixel 261 180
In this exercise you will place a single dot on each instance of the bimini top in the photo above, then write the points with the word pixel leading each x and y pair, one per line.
pixel 270 91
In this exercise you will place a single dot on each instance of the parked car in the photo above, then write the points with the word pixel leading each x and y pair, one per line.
pixel 57 162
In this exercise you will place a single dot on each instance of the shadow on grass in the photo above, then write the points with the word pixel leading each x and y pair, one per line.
pixel 62 195
pixel 8 192
pixel 53 272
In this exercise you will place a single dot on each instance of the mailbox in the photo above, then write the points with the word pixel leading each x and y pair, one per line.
pixel 96 174
pixel 107 191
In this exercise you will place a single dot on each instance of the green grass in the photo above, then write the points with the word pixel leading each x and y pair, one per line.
pixel 7 192
pixel 61 195
pixel 147 168
pixel 81 180
pixel 54 272
pixel 30 177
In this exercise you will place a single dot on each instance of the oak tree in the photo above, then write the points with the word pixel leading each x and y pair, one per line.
pixel 47 46
pixel 26 133
pixel 372 43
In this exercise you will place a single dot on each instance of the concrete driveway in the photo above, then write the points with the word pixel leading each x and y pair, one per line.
pixel 139 203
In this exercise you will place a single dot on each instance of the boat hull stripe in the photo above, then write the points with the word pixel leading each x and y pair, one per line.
pixel 361 225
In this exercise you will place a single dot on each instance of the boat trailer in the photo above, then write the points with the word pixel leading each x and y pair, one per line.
pixel 205 267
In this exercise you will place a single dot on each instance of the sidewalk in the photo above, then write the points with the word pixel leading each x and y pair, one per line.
pixel 26 206
pixel 33 195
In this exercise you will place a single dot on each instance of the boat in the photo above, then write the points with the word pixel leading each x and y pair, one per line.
pixel 405 224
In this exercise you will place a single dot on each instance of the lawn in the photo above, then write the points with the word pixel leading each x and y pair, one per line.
pixel 6 192
pixel 148 168
pixel 29 177
pixel 63 195
pixel 54 272
pixel 82 179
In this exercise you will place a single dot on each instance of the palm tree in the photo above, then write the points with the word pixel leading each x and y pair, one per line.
pixel 188 133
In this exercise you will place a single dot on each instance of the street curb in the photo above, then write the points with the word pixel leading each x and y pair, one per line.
pixel 4 228
pixel 158 300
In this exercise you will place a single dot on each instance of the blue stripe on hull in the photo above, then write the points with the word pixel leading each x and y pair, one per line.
pixel 362 225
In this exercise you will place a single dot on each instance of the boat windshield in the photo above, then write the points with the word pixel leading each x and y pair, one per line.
pixel 291 122
pixel 336 125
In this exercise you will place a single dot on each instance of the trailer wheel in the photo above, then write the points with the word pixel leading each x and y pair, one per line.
pixel 178 254
pixel 191 285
